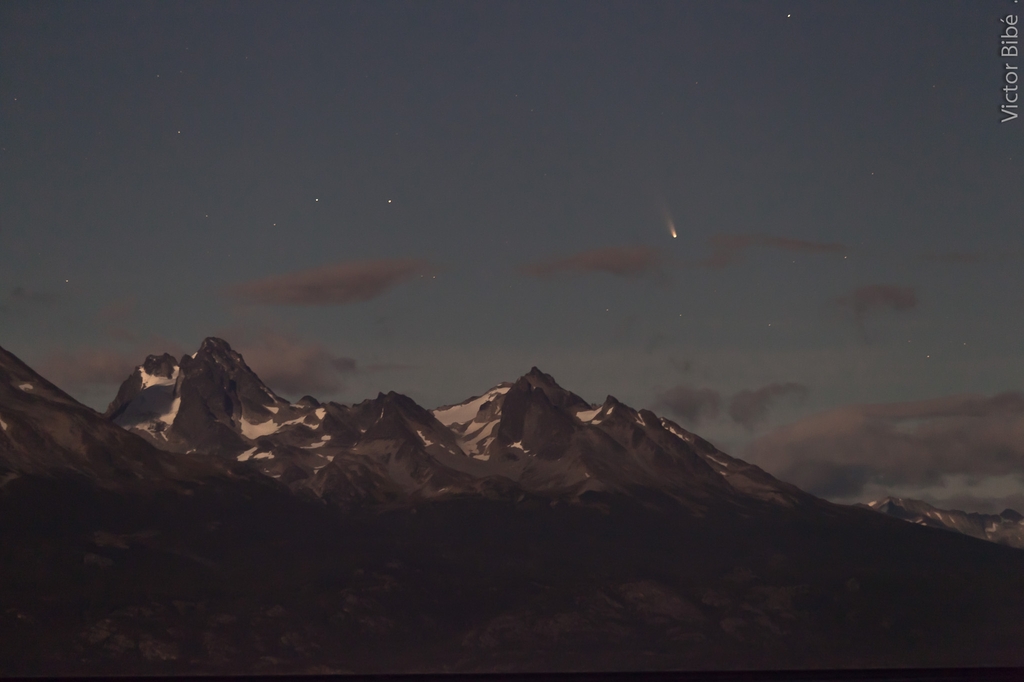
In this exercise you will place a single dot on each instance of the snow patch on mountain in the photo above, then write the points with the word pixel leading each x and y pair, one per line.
pixel 465 412
pixel 479 439
pixel 246 455
pixel 25 387
pixel 717 461
pixel 154 380
pixel 253 431
pixel 675 432
pixel 254 453
pixel 168 417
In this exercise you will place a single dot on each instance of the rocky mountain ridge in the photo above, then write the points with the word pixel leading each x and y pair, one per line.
pixel 44 431
pixel 526 436
pixel 1005 528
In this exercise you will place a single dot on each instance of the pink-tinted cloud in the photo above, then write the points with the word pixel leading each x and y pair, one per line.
pixel 840 452
pixel 119 311
pixel 691 404
pixel 292 367
pixel 874 297
pixel 21 300
pixel 338 284
pixel 954 257
pixel 81 367
pixel 622 261
pixel 84 366
pixel 750 407
pixel 729 249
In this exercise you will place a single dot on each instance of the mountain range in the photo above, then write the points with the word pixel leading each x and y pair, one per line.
pixel 1006 528
pixel 529 436
pixel 204 524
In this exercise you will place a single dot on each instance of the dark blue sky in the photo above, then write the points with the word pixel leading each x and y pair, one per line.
pixel 434 197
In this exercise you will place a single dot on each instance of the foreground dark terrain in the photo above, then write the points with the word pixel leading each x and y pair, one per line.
pixel 568 536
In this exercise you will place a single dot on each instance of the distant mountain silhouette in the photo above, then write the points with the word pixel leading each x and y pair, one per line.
pixel 1006 528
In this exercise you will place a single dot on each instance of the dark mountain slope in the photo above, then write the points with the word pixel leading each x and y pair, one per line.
pixel 43 431
pixel 632 545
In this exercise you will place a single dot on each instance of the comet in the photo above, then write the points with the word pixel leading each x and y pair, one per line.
pixel 669 222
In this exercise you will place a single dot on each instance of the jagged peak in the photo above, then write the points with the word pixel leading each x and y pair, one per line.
pixel 221 353
pixel 536 377
pixel 611 402
pixel 160 365
pixel 556 395
pixel 1011 515
pixel 397 400
pixel 214 346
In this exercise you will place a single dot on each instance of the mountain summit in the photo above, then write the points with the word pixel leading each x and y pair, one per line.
pixel 206 402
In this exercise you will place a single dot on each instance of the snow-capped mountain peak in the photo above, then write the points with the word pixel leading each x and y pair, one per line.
pixel 462 413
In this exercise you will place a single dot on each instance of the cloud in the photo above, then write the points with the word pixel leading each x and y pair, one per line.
pixel 873 297
pixel 954 257
pixel 974 503
pixel 750 407
pixel 112 319
pixel 622 261
pixel 22 299
pixel 84 366
pixel 691 404
pixel 292 367
pixel 728 249
pixel 388 367
pixel 81 367
pixel 919 444
pixel 22 296
pixel 338 284
pixel 119 311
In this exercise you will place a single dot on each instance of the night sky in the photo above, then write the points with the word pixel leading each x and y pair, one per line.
pixel 433 197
